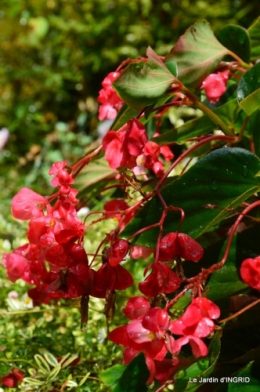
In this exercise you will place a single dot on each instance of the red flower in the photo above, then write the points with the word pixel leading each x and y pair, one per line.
pixel 136 308
pixel 111 103
pixel 250 272
pixel 123 147
pixel 118 251
pixel 215 85
pixel 196 323
pixel 13 378
pixel 27 204
pixel 174 245
pixel 110 278
pixel 17 265
pixel 113 208
pixel 161 280
pixel 146 332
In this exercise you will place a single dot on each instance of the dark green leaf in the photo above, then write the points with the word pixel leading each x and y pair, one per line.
pixel 226 281
pixel 254 34
pixel 225 177
pixel 248 91
pixel 111 376
pixel 197 53
pixel 134 377
pixel 201 125
pixel 143 83
pixel 254 130
pixel 236 39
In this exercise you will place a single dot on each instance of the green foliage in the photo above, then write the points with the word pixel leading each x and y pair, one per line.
pixel 224 177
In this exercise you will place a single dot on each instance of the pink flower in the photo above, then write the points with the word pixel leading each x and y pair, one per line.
pixel 17 265
pixel 215 85
pixel 250 272
pixel 196 323
pixel 138 252
pixel 111 103
pixel 123 147
pixel 147 333
pixel 27 204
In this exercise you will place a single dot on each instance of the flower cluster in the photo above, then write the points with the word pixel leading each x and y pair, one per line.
pixel 54 259
pixel 111 103
pixel 151 331
pixel 147 333
pixel 129 147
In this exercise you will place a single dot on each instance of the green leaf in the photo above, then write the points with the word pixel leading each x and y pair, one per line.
pixel 51 359
pixel 254 34
pixel 172 66
pixel 197 53
pixel 226 281
pixel 84 379
pixel 125 114
pixel 32 381
pixel 92 178
pixel 134 377
pixel 225 177
pixel 53 374
pixel 253 129
pixel 251 380
pixel 141 84
pixel 248 91
pixel 236 39
pixel 200 126
pixel 111 376
pixel 41 362
pixel 199 370
pixel 68 361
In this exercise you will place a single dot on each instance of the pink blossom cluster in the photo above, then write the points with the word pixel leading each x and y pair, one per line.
pixel 151 331
pixel 129 147
pixel 54 259
pixel 110 102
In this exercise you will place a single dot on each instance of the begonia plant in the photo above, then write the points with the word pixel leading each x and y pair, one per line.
pixel 185 204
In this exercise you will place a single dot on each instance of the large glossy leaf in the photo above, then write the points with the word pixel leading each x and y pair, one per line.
pixel 134 377
pixel 226 281
pixel 143 83
pixel 236 39
pixel 248 91
pixel 197 53
pixel 191 378
pixel 111 375
pixel 254 34
pixel 225 177
pixel 201 125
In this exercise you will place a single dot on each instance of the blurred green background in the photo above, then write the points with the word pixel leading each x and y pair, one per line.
pixel 53 56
